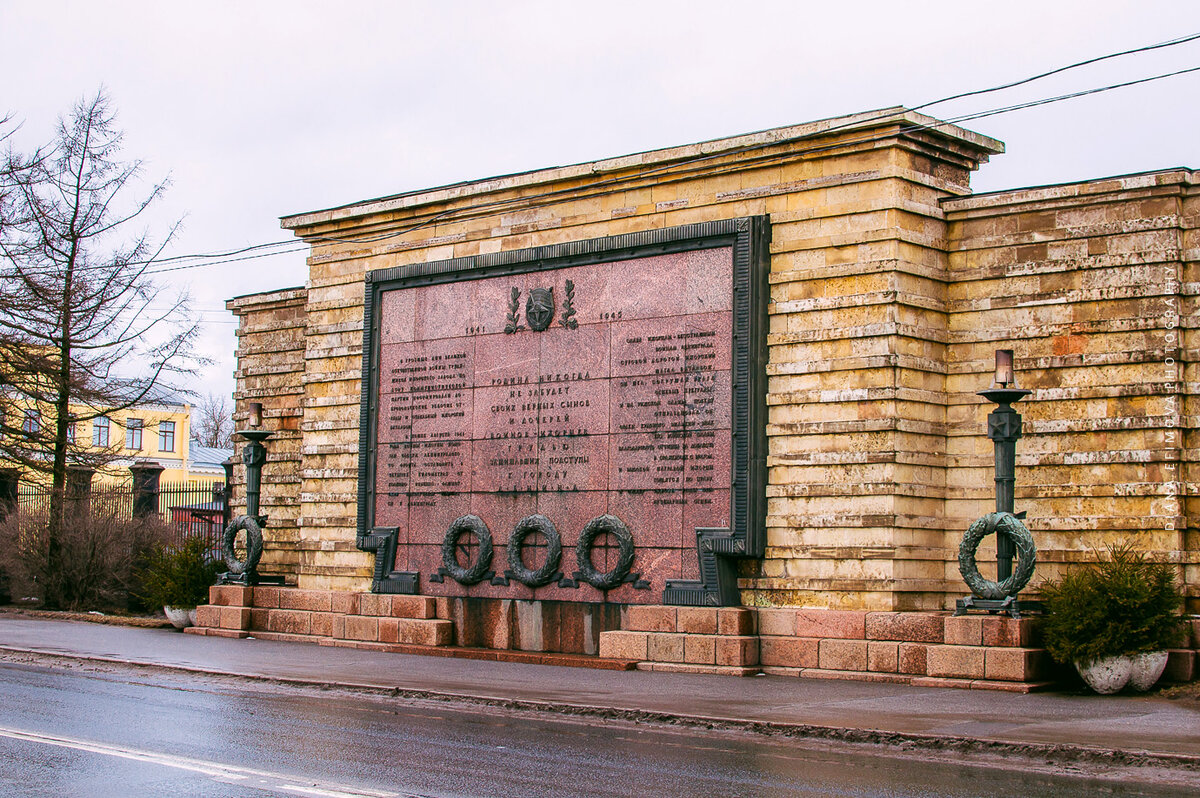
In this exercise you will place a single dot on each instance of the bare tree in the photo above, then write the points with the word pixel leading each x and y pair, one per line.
pixel 212 422
pixel 84 330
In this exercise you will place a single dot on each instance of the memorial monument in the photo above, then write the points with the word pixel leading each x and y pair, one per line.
pixel 568 398
pixel 714 407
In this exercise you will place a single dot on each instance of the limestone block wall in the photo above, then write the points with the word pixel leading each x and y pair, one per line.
pixel 857 386
pixel 891 287
pixel 270 370
pixel 857 332
pixel 1094 285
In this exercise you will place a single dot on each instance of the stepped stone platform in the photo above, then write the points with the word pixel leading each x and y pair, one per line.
pixel 932 649
pixel 391 623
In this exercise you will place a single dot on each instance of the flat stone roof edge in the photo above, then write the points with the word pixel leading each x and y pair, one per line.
pixel 1181 175
pixel 767 137
pixel 273 295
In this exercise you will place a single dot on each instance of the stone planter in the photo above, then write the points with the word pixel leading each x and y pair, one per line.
pixel 181 617
pixel 1147 668
pixel 1108 675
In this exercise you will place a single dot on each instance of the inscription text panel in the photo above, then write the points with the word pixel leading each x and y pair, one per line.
pixel 572 393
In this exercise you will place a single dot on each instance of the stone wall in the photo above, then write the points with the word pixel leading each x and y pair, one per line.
pixel 1094 286
pixel 890 288
pixel 270 370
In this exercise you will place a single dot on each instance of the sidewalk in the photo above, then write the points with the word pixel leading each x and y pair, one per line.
pixel 1149 725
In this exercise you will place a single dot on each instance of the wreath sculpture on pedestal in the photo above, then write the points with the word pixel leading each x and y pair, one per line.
pixel 1001 524
pixel 254 545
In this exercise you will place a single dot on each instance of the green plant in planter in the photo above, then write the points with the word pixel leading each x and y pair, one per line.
pixel 179 576
pixel 1121 606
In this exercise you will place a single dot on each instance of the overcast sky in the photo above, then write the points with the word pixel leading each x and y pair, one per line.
pixel 258 110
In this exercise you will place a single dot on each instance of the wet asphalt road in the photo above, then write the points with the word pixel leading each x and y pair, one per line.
pixel 113 731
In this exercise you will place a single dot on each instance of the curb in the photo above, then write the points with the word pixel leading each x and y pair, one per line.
pixel 1055 754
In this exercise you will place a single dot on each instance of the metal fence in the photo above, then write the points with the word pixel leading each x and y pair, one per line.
pixel 188 508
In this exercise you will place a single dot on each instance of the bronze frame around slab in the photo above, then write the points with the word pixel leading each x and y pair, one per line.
pixel 749 237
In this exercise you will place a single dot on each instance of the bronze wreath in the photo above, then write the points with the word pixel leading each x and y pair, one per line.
pixel 1002 524
pixel 549 570
pixel 583 552
pixel 254 545
pixel 467 525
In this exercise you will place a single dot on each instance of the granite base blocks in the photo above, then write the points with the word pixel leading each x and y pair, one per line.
pixel 920 648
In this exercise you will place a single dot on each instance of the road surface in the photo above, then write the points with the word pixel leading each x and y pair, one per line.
pixel 104 730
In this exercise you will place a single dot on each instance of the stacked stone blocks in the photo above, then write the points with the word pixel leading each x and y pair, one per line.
pixel 324 616
pixel 686 639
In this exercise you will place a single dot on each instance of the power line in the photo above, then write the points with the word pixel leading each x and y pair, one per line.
pixel 1169 43
pixel 221 258
pixel 579 191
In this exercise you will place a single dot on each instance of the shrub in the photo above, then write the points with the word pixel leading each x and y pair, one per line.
pixel 1122 605
pixel 88 566
pixel 180 575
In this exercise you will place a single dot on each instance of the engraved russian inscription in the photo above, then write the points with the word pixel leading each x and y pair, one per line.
pixel 604 394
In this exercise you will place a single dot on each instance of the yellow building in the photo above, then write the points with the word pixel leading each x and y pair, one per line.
pixel 160 433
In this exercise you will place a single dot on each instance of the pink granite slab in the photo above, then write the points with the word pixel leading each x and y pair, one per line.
pixel 504 465
pixel 430 515
pixel 492 297
pixel 652 287
pixel 592 295
pixel 709 401
pixel 709 280
pixel 689 559
pixel 442 415
pixel 671 345
pixel 441 466
pixel 397 315
pixel 503 511
pixel 573 463
pixel 647 461
pixel 709 454
pixel 394 421
pixel 571 511
pixel 505 411
pixel 392 470
pixel 704 508
pixel 391 509
pixel 502 360
pixel 574 354
pixel 446 310
pixel 654 518
pixel 634 404
pixel 655 566
pixel 570 407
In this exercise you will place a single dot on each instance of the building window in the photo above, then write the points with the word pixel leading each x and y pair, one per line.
pixel 71 432
pixel 166 436
pixel 100 431
pixel 33 422
pixel 133 433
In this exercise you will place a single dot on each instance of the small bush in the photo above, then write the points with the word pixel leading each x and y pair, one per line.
pixel 1119 606
pixel 178 576
pixel 90 563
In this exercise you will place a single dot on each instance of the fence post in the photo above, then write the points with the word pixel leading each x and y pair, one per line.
pixel 9 497
pixel 79 489
pixel 145 487
pixel 227 514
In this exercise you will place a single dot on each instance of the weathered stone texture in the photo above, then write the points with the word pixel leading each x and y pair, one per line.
pixel 271 328
pixel 890 288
